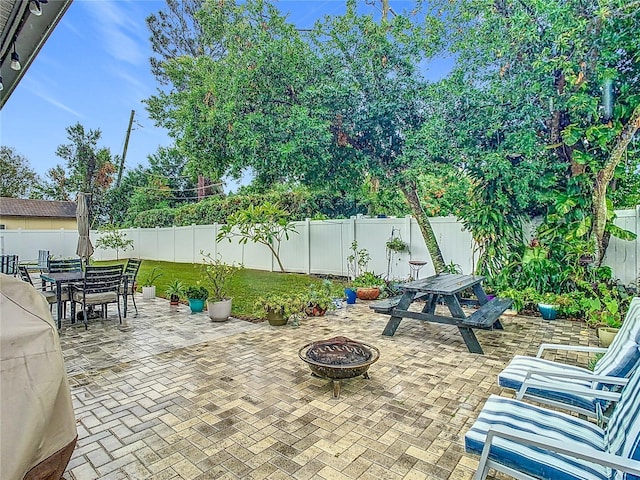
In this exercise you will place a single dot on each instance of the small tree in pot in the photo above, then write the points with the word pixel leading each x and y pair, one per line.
pixel 217 274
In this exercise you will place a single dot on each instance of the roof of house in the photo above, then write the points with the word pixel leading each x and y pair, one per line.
pixel 20 207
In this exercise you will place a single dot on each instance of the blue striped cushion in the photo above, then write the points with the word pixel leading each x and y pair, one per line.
pixel 623 430
pixel 535 461
pixel 514 374
pixel 623 353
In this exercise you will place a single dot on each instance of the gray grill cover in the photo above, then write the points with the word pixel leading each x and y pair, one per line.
pixel 36 412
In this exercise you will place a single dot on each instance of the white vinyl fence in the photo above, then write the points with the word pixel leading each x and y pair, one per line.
pixel 319 247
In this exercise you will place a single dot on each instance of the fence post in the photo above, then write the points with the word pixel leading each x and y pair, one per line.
pixel 637 248
pixel 307 223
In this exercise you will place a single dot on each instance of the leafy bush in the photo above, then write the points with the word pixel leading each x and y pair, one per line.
pixel 161 217
pixel 322 295
pixel 367 280
pixel 196 292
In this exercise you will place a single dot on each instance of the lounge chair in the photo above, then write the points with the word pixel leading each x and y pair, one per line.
pixel 572 387
pixel 531 442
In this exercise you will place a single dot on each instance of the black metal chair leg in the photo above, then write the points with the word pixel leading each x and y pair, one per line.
pixel 133 297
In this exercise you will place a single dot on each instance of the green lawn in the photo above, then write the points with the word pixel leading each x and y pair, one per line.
pixel 245 287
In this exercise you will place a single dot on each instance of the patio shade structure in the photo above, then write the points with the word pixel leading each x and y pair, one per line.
pixel 85 247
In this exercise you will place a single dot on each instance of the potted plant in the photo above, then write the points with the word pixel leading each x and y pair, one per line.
pixel 367 286
pixel 278 308
pixel 609 329
pixel 319 299
pixel 175 290
pixel 148 287
pixel 357 260
pixel 548 306
pixel 218 274
pixel 196 295
pixel 396 244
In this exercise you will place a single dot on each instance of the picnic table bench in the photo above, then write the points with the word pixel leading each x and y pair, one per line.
pixel 445 286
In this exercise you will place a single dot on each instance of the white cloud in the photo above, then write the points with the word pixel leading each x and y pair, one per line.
pixel 56 103
pixel 117 32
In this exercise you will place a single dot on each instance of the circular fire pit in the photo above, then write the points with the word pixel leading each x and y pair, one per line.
pixel 338 358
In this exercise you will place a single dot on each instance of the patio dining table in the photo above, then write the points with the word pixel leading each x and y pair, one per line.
pixel 69 278
pixel 61 279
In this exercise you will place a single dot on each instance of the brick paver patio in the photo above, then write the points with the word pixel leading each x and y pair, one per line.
pixel 177 396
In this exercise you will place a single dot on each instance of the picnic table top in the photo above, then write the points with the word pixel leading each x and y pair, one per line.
pixel 443 283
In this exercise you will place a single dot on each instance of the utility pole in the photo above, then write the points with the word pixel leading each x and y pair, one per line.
pixel 124 150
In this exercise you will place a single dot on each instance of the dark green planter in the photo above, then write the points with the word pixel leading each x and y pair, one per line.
pixel 276 318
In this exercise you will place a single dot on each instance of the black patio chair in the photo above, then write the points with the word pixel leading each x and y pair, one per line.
pixel 43 260
pixel 131 272
pixel 9 264
pixel 50 295
pixel 101 286
pixel 64 265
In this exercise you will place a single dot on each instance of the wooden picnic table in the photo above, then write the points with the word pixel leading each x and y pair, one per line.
pixel 448 287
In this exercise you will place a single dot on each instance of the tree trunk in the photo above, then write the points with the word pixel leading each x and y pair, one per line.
pixel 603 178
pixel 411 196
pixel 275 254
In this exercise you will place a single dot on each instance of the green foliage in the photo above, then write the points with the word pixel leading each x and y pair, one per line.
pixel 218 274
pixel 151 276
pixel 286 304
pixel 196 292
pixel 357 260
pixel 245 286
pixel 396 244
pixel 112 237
pixel 557 86
pixel 266 224
pixel 155 194
pixel 533 268
pixel 17 178
pixel 368 280
pixel 88 169
pixel 322 295
pixel 452 268
pixel 162 217
pixel 175 288
pixel 296 107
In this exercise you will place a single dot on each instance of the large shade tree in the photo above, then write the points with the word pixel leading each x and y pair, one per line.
pixel 335 107
pixel 569 76
pixel 88 168
pixel 17 178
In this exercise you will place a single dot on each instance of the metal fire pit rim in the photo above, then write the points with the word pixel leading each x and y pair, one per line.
pixel 375 355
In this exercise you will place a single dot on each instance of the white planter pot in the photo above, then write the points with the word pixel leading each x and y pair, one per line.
pixel 219 311
pixel 149 293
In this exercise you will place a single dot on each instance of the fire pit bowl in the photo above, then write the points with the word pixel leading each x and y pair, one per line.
pixel 339 358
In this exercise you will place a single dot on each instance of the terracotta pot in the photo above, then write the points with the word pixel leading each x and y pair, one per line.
pixel 313 310
pixel 368 293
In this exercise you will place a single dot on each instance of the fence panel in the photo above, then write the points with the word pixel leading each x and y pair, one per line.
pixel 320 247
pixel 623 256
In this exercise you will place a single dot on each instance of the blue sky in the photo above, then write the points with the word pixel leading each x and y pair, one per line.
pixel 94 69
